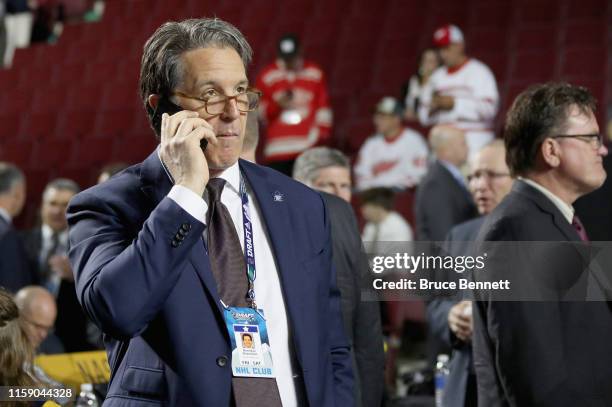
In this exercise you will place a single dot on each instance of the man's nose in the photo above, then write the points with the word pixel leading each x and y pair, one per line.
pixel 603 150
pixel 231 111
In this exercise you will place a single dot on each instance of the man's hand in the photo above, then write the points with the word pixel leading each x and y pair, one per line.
pixel 180 149
pixel 460 320
pixel 61 266
pixel 441 102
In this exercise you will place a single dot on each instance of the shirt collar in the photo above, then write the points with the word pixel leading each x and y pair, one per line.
pixel 455 172
pixel 5 215
pixel 47 233
pixel 566 210
pixel 231 175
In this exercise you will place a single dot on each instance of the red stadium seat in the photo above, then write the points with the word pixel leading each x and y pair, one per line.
pixel 75 125
pixel 50 154
pixel 534 66
pixel 541 36
pixel 585 62
pixel 39 126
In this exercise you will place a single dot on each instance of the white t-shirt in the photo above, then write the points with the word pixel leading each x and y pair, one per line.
pixel 474 89
pixel 397 163
pixel 394 228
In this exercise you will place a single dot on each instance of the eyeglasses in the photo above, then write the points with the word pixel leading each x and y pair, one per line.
pixel 486 174
pixel 595 140
pixel 215 104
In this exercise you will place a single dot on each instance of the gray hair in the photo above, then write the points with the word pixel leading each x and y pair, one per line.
pixel 62 184
pixel 160 68
pixel 10 175
pixel 310 162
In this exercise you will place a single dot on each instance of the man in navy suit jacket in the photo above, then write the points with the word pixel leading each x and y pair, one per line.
pixel 142 267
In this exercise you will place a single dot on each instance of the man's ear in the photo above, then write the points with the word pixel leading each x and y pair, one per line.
pixel 153 100
pixel 551 153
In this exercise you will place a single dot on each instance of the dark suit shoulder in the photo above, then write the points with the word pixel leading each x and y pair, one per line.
pixel 524 214
pixel 121 197
pixel 298 195
pixel 467 230
pixel 4 227
pixel 336 205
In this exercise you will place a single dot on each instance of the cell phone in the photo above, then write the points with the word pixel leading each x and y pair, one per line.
pixel 165 105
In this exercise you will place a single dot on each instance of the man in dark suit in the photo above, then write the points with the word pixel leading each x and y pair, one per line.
pixel 442 197
pixel 450 319
pixel 328 170
pixel 15 271
pixel 554 352
pixel 163 271
pixel 47 248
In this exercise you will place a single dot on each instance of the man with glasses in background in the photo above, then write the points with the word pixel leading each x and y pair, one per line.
pixel 450 319
pixel 37 309
pixel 178 255
pixel 552 349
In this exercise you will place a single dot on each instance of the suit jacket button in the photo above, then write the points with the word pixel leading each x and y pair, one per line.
pixel 221 361
pixel 186 227
pixel 175 243
pixel 179 237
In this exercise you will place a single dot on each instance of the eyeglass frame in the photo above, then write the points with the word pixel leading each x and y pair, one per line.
pixel 225 100
pixel 599 137
pixel 489 175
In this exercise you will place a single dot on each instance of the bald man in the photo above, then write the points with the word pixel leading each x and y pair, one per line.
pixel 443 199
pixel 38 311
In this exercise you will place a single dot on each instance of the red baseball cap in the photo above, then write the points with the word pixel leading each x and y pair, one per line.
pixel 446 35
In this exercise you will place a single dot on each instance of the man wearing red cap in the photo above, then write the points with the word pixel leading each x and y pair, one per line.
pixel 463 92
pixel 294 105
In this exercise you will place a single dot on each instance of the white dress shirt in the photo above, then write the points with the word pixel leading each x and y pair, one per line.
pixel 5 215
pixel 53 281
pixel 268 293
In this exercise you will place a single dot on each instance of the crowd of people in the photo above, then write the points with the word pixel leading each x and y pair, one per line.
pixel 166 263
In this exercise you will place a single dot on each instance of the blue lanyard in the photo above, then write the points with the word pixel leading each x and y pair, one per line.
pixel 249 246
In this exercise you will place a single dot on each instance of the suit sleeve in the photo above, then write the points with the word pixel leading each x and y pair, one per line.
pixel 490 393
pixel 485 346
pixel 368 341
pixel 339 348
pixel 437 317
pixel 123 278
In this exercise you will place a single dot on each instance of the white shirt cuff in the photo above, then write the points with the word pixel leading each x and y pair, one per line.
pixel 189 201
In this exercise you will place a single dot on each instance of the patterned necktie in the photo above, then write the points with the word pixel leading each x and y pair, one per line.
pixel 229 270
pixel 577 224
pixel 226 257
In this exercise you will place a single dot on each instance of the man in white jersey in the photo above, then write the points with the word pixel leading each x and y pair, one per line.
pixel 463 92
pixel 394 157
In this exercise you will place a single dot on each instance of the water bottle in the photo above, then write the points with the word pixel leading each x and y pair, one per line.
pixel 87 397
pixel 441 377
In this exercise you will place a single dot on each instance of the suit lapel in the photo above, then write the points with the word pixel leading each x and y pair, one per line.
pixel 273 204
pixel 547 206
pixel 156 184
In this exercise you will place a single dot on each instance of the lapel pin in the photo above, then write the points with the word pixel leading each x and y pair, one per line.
pixel 278 197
